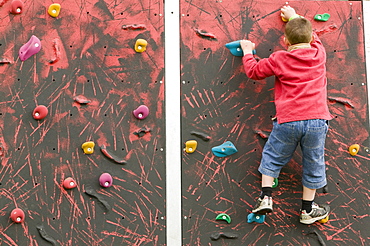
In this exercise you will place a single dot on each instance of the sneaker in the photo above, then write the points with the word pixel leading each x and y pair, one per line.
pixel 263 206
pixel 318 212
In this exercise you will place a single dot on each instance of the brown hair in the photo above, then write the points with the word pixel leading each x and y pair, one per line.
pixel 298 30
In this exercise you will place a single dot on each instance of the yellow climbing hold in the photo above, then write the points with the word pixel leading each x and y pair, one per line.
pixel 190 146
pixel 54 10
pixel 353 149
pixel 140 45
pixel 324 220
pixel 88 147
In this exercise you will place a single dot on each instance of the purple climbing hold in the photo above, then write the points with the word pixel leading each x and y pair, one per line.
pixel 106 180
pixel 30 48
pixel 141 112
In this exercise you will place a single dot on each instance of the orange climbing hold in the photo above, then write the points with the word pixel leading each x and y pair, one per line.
pixel 190 146
pixel 140 45
pixel 88 147
pixel 54 10
pixel 353 149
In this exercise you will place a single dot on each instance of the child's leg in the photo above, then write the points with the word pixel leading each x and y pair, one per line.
pixel 314 177
pixel 278 151
pixel 267 181
pixel 307 198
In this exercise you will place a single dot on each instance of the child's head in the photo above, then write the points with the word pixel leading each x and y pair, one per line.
pixel 298 30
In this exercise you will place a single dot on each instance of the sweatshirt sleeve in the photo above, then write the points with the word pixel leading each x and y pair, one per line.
pixel 258 70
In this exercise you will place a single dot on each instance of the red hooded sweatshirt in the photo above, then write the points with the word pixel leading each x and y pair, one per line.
pixel 300 81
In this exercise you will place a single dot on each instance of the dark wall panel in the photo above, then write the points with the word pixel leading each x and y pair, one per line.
pixel 219 100
pixel 96 59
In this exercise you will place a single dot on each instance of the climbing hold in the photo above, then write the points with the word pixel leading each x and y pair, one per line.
pixel 56 48
pixel 17 215
pixel 224 149
pixel 262 134
pixel 16 7
pixel 275 183
pixel 30 48
pixel 204 34
pixel 106 180
pixel 109 155
pixel 256 218
pixel 190 146
pixel 324 220
pixel 218 235
pixel 142 131
pixel 201 135
pixel 88 147
pixel 353 149
pixel 134 27
pixel 323 17
pixel 45 235
pixel 140 45
pixel 91 192
pixel 236 49
pixel 319 238
pixel 54 10
pixel 141 112
pixel 69 183
pixel 224 217
pixel 4 61
pixel 81 99
pixel 40 112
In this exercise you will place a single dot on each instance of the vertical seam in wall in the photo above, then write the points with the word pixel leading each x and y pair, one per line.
pixel 366 19
pixel 173 122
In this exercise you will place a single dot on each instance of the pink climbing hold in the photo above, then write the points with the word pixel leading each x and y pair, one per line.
pixel 106 180
pixel 17 215
pixel 30 48
pixel 69 183
pixel 40 112
pixel 141 112
pixel 16 7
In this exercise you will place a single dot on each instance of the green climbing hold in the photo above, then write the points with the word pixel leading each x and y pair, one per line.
pixel 323 17
pixel 224 217
pixel 275 183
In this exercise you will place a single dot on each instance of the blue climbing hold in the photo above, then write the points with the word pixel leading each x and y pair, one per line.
pixel 256 218
pixel 224 149
pixel 235 48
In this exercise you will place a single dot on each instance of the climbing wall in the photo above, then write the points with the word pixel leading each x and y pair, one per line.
pixel 218 100
pixel 86 51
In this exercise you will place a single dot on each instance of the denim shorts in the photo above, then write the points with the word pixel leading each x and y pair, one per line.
pixel 282 143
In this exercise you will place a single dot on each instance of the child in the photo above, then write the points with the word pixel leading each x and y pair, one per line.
pixel 301 112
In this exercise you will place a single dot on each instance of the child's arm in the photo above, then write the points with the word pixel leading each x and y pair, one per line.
pixel 253 69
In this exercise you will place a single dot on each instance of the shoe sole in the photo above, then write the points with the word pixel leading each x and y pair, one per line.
pixel 313 220
pixel 262 211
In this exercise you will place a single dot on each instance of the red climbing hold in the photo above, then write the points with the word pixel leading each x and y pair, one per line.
pixel 69 183
pixel 134 27
pixel 40 112
pixel 16 7
pixel 141 112
pixel 17 215
pixel 106 180
pixel 30 48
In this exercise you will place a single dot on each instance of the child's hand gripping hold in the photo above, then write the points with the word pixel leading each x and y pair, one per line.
pixel 247 46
